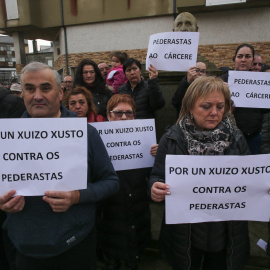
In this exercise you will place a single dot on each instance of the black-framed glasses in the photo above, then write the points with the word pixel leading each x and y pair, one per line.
pixel 119 114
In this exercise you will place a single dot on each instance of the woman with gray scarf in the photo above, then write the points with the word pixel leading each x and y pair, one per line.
pixel 203 128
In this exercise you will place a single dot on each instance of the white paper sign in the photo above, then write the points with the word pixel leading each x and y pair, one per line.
pixel 250 89
pixel 173 51
pixel 128 142
pixel 222 2
pixel 217 188
pixel 42 154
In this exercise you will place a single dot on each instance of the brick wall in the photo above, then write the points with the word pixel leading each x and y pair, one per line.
pixel 220 55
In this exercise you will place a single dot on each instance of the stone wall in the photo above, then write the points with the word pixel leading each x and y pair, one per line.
pixel 219 55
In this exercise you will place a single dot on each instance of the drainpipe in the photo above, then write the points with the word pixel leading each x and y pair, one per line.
pixel 65 36
pixel 174 9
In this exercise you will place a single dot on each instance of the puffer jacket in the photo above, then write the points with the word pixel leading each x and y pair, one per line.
pixel 147 96
pixel 175 240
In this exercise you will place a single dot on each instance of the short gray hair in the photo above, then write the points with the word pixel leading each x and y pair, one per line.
pixel 38 66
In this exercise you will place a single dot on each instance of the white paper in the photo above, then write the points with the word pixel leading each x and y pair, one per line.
pixel 250 89
pixel 239 185
pixel 34 158
pixel 128 142
pixel 173 51
pixel 262 244
pixel 223 2
pixel 110 75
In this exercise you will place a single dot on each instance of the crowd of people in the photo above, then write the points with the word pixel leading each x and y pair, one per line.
pixel 58 230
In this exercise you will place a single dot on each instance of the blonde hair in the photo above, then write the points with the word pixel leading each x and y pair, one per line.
pixel 202 87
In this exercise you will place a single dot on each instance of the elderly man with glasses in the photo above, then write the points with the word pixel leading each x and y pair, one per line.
pixel 193 73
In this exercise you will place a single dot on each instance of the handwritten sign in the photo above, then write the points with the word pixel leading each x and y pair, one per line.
pixel 250 89
pixel 217 188
pixel 37 155
pixel 128 142
pixel 173 51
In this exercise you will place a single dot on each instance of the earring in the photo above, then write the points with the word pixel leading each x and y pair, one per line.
pixel 191 116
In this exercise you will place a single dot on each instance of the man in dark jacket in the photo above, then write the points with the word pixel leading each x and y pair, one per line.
pixel 11 106
pixel 146 94
pixel 57 230
pixel 192 74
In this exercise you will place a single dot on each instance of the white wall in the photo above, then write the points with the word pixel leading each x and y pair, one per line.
pixel 243 25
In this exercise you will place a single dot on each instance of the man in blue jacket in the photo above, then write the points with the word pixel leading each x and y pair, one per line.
pixel 57 231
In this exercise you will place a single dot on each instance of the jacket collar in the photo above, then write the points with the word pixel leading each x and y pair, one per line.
pixel 64 113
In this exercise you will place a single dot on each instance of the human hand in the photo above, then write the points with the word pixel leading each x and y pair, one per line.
pixel 153 73
pixel 192 74
pixel 159 190
pixel 11 204
pixel 61 201
pixel 153 150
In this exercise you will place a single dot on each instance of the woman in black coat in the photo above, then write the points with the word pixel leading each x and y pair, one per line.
pixel 89 76
pixel 126 215
pixel 203 128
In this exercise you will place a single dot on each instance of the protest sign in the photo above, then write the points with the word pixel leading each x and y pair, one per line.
pixel 173 51
pixel 222 2
pixel 41 154
pixel 128 142
pixel 217 188
pixel 250 89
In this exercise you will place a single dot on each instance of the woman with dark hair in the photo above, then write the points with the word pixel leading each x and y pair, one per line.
pixel 248 120
pixel 89 76
pixel 80 101
pixel 203 128
pixel 146 94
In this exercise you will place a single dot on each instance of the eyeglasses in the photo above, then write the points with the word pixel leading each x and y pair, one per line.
pixel 119 114
pixel 201 70
pixel 255 64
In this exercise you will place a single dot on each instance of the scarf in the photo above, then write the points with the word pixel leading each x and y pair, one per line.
pixel 207 142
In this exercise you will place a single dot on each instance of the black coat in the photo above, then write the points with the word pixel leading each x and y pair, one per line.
pixel 11 106
pixel 125 224
pixel 179 94
pixel 175 240
pixel 147 96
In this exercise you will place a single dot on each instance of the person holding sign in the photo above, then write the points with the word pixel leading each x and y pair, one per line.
pixel 193 73
pixel 203 128
pixel 57 230
pixel 80 101
pixel 147 94
pixel 248 120
pixel 126 215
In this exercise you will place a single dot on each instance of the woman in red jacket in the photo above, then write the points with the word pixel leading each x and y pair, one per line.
pixel 80 101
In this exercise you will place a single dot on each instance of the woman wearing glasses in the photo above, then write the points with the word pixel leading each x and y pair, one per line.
pixel 80 101
pixel 126 215
pixel 89 76
pixel 146 94
pixel 248 120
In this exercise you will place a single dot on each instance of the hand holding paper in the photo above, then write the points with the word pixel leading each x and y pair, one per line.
pixel 11 204
pixel 61 201
pixel 158 191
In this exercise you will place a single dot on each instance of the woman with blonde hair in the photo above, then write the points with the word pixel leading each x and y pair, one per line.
pixel 203 128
